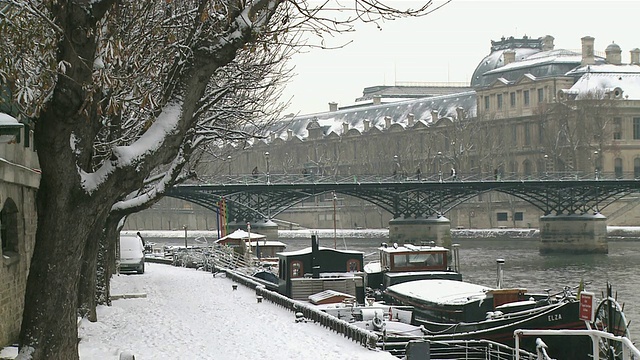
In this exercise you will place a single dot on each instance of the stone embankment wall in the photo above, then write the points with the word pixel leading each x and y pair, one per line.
pixel 19 181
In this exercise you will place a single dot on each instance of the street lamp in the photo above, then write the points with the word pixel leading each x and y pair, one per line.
pixel 229 161
pixel 595 164
pixel 546 165
pixel 440 166
pixel 396 171
pixel 266 157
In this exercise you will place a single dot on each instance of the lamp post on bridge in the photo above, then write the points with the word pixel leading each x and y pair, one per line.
pixel 546 166
pixel 229 162
pixel 396 170
pixel 266 157
pixel 440 166
pixel 595 165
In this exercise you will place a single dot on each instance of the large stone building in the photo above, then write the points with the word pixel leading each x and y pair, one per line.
pixel 19 181
pixel 530 110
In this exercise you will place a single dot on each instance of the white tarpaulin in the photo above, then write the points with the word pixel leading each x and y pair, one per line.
pixel 241 234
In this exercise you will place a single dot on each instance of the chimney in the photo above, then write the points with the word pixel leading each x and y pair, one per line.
pixel 377 100
pixel 547 43
pixel 289 134
pixel 411 119
pixel 366 124
pixel 460 112
pixel 635 56
pixel 387 122
pixel 434 115
pixel 345 128
pixel 333 106
pixel 614 54
pixel 315 251
pixel 509 56
pixel 588 57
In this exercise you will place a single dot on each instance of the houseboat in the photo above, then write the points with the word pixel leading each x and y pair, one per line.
pixel 309 271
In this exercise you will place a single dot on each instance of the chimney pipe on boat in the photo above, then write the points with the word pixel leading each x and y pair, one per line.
pixel 455 256
pixel 314 257
pixel 500 274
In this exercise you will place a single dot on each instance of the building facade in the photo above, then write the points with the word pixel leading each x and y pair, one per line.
pixel 19 181
pixel 533 111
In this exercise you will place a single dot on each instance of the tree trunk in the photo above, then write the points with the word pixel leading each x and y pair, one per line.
pixel 106 259
pixel 49 328
pixel 87 287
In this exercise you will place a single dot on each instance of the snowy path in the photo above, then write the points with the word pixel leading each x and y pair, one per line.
pixel 190 314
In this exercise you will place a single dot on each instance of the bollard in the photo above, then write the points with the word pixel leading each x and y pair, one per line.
pixel 127 355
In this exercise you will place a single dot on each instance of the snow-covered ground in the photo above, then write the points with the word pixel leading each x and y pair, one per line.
pixel 189 314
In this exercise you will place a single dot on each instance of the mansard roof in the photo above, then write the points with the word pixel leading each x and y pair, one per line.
pixel 628 85
pixel 331 121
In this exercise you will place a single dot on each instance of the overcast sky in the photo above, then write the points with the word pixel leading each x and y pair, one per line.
pixel 448 44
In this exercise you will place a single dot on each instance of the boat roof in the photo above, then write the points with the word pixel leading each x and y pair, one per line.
pixel 446 292
pixel 395 248
pixel 268 243
pixel 308 250
pixel 416 273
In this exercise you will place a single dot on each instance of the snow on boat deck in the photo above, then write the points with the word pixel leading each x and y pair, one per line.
pixel 447 292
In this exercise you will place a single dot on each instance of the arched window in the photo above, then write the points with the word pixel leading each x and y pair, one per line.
pixel 353 265
pixel 297 269
pixel 9 228
pixel 513 168
pixel 636 168
pixel 526 166
pixel 618 168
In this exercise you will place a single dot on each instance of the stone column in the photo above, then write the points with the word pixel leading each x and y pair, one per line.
pixel 421 230
pixel 575 234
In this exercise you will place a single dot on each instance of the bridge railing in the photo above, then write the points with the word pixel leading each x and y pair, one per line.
pixel 273 179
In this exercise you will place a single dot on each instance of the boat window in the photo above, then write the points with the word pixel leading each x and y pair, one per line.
pixel 418 260
pixel 296 269
pixel 353 265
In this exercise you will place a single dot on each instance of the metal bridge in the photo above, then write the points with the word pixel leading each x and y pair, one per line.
pixel 264 196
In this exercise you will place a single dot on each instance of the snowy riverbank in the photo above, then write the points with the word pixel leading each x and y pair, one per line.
pixel 188 314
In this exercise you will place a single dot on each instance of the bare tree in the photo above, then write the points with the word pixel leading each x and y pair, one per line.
pixel 118 90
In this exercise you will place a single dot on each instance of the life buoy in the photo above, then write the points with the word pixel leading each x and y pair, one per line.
pixel 377 322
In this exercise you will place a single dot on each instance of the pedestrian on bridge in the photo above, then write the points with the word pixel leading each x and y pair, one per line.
pixel 418 174
pixel 254 172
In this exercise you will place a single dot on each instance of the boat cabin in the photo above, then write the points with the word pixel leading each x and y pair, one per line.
pixel 413 258
pixel 266 249
pixel 315 269
pixel 398 264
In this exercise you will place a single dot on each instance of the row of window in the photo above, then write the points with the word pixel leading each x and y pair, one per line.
pixel 526 99
pixel 503 216
pixel 297 267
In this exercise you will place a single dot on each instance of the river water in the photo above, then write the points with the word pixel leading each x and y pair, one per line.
pixel 524 266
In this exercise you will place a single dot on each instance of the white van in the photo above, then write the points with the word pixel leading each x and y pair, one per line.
pixel 131 254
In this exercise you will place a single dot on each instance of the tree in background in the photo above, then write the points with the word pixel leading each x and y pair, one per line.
pixel 122 93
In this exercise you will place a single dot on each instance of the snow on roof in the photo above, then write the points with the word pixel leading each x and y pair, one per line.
pixel 268 243
pixel 592 83
pixel 241 234
pixel 331 121
pixel 308 251
pixel 412 248
pixel 446 292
